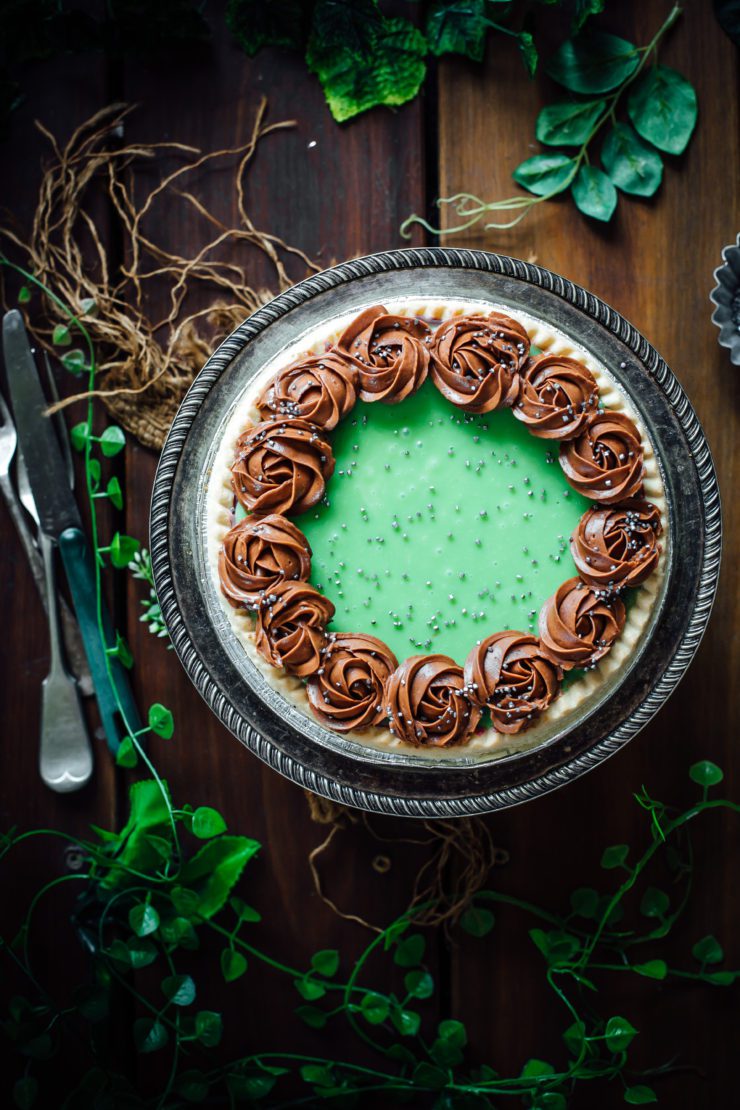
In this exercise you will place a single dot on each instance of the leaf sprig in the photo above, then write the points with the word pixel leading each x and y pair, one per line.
pixel 602 72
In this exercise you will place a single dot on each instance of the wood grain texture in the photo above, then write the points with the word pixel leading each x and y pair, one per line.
pixel 654 264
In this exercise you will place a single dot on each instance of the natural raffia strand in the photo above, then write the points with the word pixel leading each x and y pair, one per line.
pixel 145 365
pixel 462 854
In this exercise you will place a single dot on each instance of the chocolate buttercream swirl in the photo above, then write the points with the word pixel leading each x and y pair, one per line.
pixel 281 466
pixel 604 461
pixel 390 352
pixel 257 554
pixel 317 388
pixel 426 702
pixel 476 361
pixel 348 690
pixel 291 627
pixel 615 548
pixel 578 625
pixel 557 396
pixel 508 673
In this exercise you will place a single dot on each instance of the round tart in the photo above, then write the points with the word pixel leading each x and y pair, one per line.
pixel 437 527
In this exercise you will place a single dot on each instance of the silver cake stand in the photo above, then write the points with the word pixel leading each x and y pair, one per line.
pixel 393 782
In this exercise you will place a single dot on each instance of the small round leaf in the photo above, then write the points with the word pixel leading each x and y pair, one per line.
pixel 655 902
pixel 477 921
pixel 115 493
pixel 192 1086
pixel 143 919
pixel 26 1089
pixel 309 989
pixel 233 965
pixel 453 1031
pixel 594 194
pixel 706 773
pixel 207 822
pixel 79 436
pixel 614 856
pixel 24 296
pixel 653 969
pixel 60 337
pixel 161 720
pixel 619 1033
pixel 639 1095
pixel 374 1007
pixel 112 441
pixel 179 989
pixel 410 951
pixel 122 550
pixel 149 1034
pixel 326 962
pixel 585 902
pixel 209 1028
pixel 419 984
pixel 708 950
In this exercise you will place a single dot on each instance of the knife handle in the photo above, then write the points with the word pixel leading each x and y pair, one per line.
pixel 80 570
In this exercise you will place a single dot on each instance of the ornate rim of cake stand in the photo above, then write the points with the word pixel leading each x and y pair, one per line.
pixel 451 801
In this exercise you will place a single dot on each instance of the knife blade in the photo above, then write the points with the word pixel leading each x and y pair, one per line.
pixel 59 520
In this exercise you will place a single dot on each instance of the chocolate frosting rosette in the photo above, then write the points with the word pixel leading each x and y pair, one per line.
pixel 604 461
pixel 348 690
pixel 391 354
pixel 291 627
pixel 426 703
pixel 281 466
pixel 617 547
pixel 509 673
pixel 578 625
pixel 557 396
pixel 476 361
pixel 317 388
pixel 257 554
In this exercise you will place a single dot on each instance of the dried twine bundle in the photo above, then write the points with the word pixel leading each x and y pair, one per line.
pixel 144 366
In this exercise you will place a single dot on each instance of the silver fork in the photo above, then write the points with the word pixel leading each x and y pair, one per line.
pixel 71 632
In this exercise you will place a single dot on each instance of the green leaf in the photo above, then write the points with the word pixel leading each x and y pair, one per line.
pixel 92 1003
pixel 79 436
pixel 363 58
pixel 454 1032
pixel 410 951
pixel 594 193
pixel 568 123
pixel 143 919
pixel 633 166
pixel 619 1033
pixel 114 492
pixel 639 1095
pixel 94 469
pixel 407 1022
pixel 26 1089
pixel 317 1074
pixel 655 902
pixel 233 965
pixel 207 822
pixel 192 1085
pixel 573 1037
pixel 179 932
pixel 614 856
pixel 74 361
pixel 326 962
pixel 653 969
pixel 457 27
pixel 535 1069
pixel 209 1028
pixel 528 51
pixel 149 1034
pixel 255 24
pixel 122 550
pixel 141 952
pixel 545 174
pixel 593 62
pixel 309 989
pixel 215 869
pixel 557 947
pixel 179 989
pixel 418 983
pixel 721 978
pixel 584 9
pixel 430 1077
pixel 88 306
pixel 186 902
pixel 161 720
pixel 706 773
pixel 551 1100
pixel 708 950
pixel 662 107
pixel 112 441
pixel 585 902
pixel 250 1087
pixel 374 1007
pixel 243 911
pixel 60 337
pixel 445 1054
pixel 140 843
pixel 122 652
pixel 127 756
pixel 312 1016
pixel 24 296
pixel 477 921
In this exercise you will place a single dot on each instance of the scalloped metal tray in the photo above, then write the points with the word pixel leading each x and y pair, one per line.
pixel 298 747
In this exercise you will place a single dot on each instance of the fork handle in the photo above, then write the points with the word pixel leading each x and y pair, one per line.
pixel 65 758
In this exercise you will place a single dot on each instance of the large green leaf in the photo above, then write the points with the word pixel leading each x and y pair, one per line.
pixel 144 837
pixel 258 23
pixel 594 193
pixel 363 58
pixel 569 123
pixel 662 106
pixel 593 62
pixel 214 870
pixel 457 27
pixel 545 174
pixel 633 166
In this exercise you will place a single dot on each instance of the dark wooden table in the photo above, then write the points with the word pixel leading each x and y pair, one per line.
pixel 339 192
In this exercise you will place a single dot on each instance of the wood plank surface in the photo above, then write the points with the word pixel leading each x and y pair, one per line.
pixel 337 192
pixel 654 264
